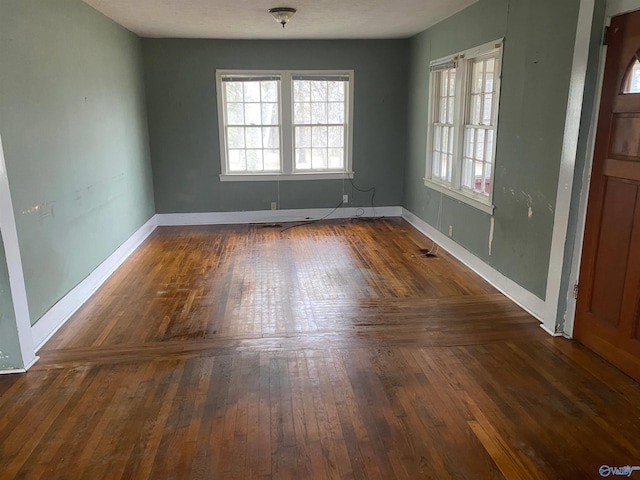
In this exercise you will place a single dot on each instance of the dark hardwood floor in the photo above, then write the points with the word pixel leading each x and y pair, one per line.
pixel 331 350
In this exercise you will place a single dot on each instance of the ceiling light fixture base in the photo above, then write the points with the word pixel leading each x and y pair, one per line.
pixel 282 15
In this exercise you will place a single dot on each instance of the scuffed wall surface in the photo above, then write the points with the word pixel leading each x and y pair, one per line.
pixel 183 121
pixel 539 43
pixel 73 122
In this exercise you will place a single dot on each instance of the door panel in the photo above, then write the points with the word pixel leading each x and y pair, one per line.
pixel 612 252
pixel 608 309
pixel 626 136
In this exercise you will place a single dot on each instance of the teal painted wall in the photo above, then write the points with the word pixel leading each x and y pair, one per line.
pixel 538 52
pixel 10 355
pixel 73 124
pixel 183 121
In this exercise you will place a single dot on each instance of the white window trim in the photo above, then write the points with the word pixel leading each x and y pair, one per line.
pixel 287 172
pixel 455 189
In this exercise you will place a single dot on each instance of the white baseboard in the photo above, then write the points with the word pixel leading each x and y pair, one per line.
pixel 9 371
pixel 268 216
pixel 51 321
pixel 553 334
pixel 518 294
pixel 56 317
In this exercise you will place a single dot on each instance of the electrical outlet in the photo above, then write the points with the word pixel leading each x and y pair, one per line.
pixel 345 198
pixel 274 205
pixel 451 230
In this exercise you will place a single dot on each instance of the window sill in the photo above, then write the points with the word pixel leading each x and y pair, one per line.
pixel 480 205
pixel 279 177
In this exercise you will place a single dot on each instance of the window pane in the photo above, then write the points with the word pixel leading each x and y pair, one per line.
pixel 450 110
pixel 256 104
pixel 479 150
pixel 476 101
pixel 252 114
pixel 444 83
pixel 336 159
pixel 270 137
pixel 477 166
pixel 271 160
pixel 336 136
pixel 444 103
pixel 467 175
pixel 303 158
pixel 302 113
pixel 253 137
pixel 478 77
pixel 489 148
pixel 474 163
pixel 269 91
pixel 445 139
pixel 303 137
pixel 487 175
pixel 235 114
pixel 251 91
pixel 490 67
pixel 470 139
pixel 234 91
pixel 237 161
pixel 319 136
pixel 336 91
pixel 254 160
pixel 319 158
pixel 301 91
pixel 488 109
pixel 436 164
pixel 318 113
pixel 319 103
pixel 336 113
pixel 319 91
pixel 450 145
pixel 269 114
pixel 633 79
pixel 235 137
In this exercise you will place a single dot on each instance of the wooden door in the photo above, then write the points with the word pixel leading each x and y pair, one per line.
pixel 608 309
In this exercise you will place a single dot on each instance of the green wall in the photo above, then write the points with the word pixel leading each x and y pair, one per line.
pixel 183 121
pixel 538 52
pixel 10 355
pixel 73 124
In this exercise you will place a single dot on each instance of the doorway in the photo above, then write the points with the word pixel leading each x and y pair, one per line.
pixel 608 306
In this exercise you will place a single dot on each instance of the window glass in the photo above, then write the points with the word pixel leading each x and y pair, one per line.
pixel 632 84
pixel 463 120
pixel 252 124
pixel 312 136
pixel 319 115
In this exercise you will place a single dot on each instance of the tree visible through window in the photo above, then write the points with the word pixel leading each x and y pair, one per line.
pixel 252 123
pixel 285 123
pixel 319 106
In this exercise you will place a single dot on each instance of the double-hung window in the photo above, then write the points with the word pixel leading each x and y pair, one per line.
pixel 285 124
pixel 463 114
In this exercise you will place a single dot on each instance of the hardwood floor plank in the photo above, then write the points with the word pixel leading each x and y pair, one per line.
pixel 329 350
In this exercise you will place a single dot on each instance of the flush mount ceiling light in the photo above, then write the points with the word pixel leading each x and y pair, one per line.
pixel 282 14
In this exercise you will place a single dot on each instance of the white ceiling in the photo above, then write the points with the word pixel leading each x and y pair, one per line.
pixel 248 19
